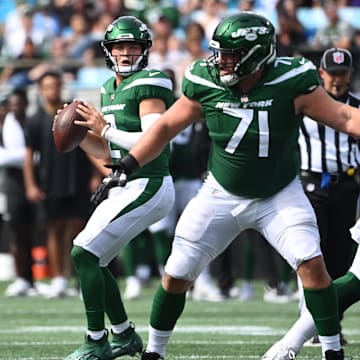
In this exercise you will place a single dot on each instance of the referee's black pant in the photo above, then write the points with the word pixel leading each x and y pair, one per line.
pixel 335 207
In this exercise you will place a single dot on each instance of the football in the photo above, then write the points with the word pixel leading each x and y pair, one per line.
pixel 66 134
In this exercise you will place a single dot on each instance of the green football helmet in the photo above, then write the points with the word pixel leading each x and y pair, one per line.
pixel 247 35
pixel 126 29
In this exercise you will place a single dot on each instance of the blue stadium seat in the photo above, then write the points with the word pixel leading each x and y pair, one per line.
pixel 7 6
pixel 351 14
pixel 312 19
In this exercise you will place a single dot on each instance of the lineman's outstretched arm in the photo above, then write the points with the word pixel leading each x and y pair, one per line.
pixel 180 115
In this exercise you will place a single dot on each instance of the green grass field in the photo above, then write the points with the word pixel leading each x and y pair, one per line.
pixel 38 328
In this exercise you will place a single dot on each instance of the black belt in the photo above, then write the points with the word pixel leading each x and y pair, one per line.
pixel 334 178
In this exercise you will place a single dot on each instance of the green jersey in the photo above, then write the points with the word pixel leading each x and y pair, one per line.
pixel 120 106
pixel 254 135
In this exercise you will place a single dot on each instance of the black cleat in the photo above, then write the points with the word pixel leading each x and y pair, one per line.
pixel 334 355
pixel 148 355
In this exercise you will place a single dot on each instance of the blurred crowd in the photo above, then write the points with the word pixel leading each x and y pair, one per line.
pixel 42 37
pixel 38 35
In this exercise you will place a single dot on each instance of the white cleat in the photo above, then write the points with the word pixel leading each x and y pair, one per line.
pixel 206 291
pixel 20 287
pixel 280 351
pixel 246 292
pixel 273 295
pixel 58 288
pixel 133 288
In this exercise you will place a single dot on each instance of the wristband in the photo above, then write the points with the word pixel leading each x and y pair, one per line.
pixel 129 163
pixel 105 129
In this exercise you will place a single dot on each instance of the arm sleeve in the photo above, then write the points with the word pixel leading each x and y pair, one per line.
pixel 127 139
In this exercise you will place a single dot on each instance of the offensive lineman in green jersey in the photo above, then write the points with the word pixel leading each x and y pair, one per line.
pixel 130 102
pixel 252 103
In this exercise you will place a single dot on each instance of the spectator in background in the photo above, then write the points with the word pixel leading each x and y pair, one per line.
pixel 17 74
pixel 338 33
pixel 98 27
pixel 91 74
pixel 291 35
pixel 3 203
pixel 194 48
pixel 348 3
pixel 18 28
pixel 114 8
pixel 209 15
pixel 46 21
pixel 166 49
pixel 246 5
pixel 61 188
pixel 163 55
pixel 63 10
pixel 186 9
pixel 267 5
pixel 58 60
pixel 355 42
pixel 78 36
pixel 162 26
pixel 20 213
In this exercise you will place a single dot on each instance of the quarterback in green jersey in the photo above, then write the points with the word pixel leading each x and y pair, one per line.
pixel 131 102
pixel 252 102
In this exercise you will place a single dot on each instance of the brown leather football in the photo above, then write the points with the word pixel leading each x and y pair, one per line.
pixel 66 134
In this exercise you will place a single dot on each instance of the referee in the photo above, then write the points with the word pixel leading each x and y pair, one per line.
pixel 329 161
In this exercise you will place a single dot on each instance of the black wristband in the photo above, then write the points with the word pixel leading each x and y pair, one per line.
pixel 129 164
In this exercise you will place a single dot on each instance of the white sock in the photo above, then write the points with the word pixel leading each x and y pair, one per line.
pixel 96 335
pixel 302 330
pixel 302 305
pixel 119 328
pixel 330 343
pixel 157 340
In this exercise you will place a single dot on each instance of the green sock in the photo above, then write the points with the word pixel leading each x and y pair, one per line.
pixel 129 257
pixel 92 286
pixel 144 247
pixel 323 306
pixel 348 288
pixel 166 309
pixel 136 252
pixel 113 302
pixel 162 245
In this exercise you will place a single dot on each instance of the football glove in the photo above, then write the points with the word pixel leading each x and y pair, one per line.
pixel 118 177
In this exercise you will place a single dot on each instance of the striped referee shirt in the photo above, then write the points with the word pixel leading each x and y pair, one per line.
pixel 323 149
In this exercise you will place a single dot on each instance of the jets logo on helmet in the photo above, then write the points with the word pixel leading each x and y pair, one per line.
pixel 250 31
pixel 250 38
pixel 126 29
